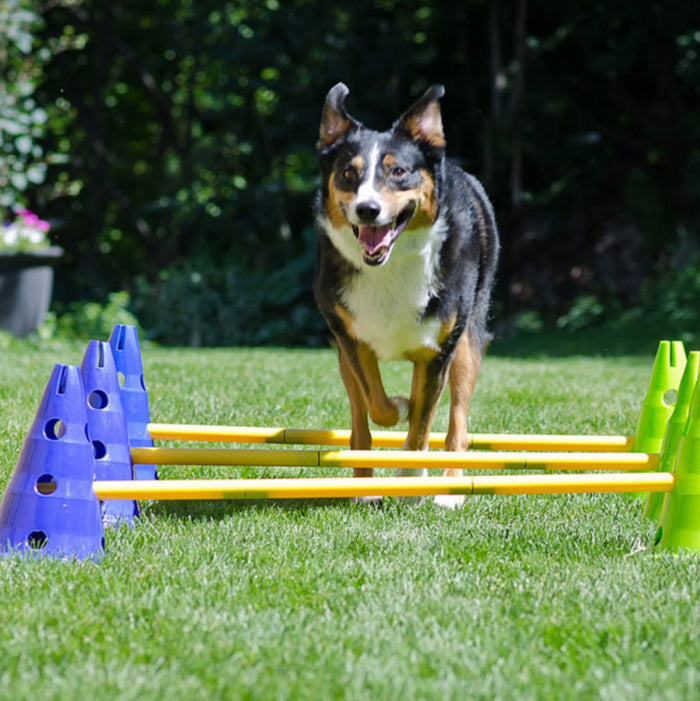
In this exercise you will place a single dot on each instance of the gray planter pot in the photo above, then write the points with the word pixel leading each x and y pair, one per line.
pixel 26 284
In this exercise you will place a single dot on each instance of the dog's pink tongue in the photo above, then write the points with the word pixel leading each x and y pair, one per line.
pixel 373 238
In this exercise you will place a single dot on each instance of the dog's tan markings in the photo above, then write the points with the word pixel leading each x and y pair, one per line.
pixel 426 390
pixel 396 200
pixel 427 210
pixel 388 161
pixel 361 436
pixel 447 328
pixel 427 355
pixel 346 318
pixel 423 198
pixel 336 204
pixel 382 410
pixel 463 374
pixel 335 122
pixel 422 355
pixel 425 124
pixel 358 163
pixel 362 362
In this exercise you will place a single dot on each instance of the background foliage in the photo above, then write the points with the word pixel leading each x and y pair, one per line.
pixel 171 143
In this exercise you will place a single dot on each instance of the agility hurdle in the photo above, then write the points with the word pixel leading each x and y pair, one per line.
pixel 344 487
pixel 308 488
pixel 384 439
pixel 57 497
pixel 394 459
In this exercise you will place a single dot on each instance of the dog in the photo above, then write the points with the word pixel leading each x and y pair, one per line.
pixel 407 248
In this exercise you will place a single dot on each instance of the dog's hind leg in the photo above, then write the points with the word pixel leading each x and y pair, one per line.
pixel 462 379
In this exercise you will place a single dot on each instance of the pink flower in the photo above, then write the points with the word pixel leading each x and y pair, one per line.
pixel 32 220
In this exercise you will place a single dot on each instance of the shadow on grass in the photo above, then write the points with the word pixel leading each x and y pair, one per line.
pixel 217 510
pixel 611 339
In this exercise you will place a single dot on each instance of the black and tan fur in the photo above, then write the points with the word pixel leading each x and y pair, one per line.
pixel 407 249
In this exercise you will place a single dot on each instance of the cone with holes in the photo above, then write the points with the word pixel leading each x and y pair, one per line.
pixel 674 431
pixel 50 507
pixel 680 522
pixel 660 399
pixel 124 341
pixel 107 424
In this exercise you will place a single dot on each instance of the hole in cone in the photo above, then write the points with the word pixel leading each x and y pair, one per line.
pixel 670 397
pixel 55 429
pixel 99 450
pixel 37 540
pixel 46 484
pixel 97 399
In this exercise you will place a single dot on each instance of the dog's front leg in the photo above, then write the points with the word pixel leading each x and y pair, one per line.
pixel 426 389
pixel 359 362
pixel 428 384
pixel 359 369
pixel 360 436
pixel 360 372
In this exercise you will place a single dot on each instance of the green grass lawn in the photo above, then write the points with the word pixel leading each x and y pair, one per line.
pixel 511 598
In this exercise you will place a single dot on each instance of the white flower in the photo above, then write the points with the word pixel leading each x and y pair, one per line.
pixel 27 232
pixel 10 235
pixel 35 236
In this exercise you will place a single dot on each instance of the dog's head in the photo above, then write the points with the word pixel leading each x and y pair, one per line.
pixel 376 185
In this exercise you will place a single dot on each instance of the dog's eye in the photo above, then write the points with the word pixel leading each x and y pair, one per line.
pixel 350 174
pixel 398 172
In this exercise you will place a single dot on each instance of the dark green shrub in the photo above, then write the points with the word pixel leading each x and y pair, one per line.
pixel 197 303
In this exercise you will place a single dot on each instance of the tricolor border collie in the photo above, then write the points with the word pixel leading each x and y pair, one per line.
pixel 406 253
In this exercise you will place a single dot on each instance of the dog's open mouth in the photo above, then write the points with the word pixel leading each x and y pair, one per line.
pixel 376 242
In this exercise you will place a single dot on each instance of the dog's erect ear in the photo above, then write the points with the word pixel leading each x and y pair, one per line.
pixel 335 121
pixel 423 120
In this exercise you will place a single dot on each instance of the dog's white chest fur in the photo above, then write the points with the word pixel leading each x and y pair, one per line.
pixel 387 302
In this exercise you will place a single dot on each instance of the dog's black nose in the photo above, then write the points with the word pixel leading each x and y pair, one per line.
pixel 368 211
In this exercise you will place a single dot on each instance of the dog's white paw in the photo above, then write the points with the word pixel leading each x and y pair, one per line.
pixel 412 501
pixel 402 404
pixel 368 501
pixel 411 472
pixel 449 501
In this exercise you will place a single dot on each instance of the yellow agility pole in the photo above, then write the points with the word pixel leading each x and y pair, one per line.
pixel 384 439
pixel 316 488
pixel 395 459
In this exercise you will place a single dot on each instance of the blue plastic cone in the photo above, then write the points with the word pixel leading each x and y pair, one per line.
pixel 107 424
pixel 124 341
pixel 50 507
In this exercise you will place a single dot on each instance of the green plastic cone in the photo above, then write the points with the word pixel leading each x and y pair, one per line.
pixel 674 431
pixel 680 528
pixel 660 400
